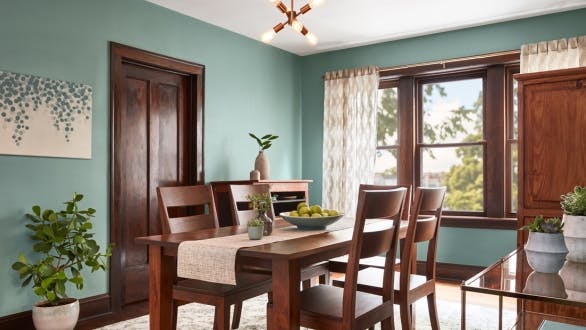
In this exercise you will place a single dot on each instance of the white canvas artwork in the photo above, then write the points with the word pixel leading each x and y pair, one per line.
pixel 44 117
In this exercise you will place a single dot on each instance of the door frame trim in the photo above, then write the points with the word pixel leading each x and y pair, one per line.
pixel 120 54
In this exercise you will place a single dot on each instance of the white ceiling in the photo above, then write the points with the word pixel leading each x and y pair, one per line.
pixel 342 24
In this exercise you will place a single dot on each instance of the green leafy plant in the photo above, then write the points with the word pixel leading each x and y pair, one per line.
pixel 256 222
pixel 261 201
pixel 66 245
pixel 264 142
pixel 574 203
pixel 545 225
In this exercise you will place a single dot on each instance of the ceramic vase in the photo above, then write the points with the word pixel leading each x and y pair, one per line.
pixel 255 232
pixel 575 235
pixel 546 252
pixel 261 164
pixel 60 317
pixel 268 227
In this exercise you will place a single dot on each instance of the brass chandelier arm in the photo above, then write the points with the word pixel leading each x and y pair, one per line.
pixel 281 7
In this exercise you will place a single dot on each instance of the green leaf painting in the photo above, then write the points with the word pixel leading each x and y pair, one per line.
pixel 44 117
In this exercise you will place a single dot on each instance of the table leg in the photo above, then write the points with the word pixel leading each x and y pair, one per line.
pixel 161 275
pixel 286 277
pixel 463 316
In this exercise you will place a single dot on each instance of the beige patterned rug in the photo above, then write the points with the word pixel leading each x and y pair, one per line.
pixel 196 316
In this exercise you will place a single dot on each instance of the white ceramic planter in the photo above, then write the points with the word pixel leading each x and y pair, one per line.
pixel 575 235
pixel 62 317
pixel 546 252
pixel 255 232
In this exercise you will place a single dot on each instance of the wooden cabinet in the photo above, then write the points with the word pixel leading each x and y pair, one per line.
pixel 552 150
pixel 286 195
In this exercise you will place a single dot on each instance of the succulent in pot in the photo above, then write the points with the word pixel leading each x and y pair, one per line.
pixel 545 248
pixel 255 228
pixel 574 207
pixel 65 245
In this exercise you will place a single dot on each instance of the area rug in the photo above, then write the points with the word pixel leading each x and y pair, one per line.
pixel 196 316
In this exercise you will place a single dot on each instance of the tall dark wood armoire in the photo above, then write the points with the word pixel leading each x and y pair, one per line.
pixel 552 154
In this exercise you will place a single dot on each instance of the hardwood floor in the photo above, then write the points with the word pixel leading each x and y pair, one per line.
pixel 446 291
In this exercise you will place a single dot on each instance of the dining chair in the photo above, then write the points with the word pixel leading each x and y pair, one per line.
pixel 179 209
pixel 424 223
pixel 339 264
pixel 330 307
pixel 242 213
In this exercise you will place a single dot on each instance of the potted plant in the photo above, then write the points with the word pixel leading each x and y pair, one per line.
pixel 574 207
pixel 261 163
pixel 545 248
pixel 65 245
pixel 262 202
pixel 255 228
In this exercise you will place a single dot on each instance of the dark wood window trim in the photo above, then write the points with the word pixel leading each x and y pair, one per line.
pixel 495 70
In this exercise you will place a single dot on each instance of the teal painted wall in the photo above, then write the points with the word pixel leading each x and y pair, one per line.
pixel 475 247
pixel 249 87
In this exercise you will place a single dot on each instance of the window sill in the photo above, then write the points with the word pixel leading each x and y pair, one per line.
pixel 478 222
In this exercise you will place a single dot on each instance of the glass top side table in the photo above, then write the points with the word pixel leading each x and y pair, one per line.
pixel 511 276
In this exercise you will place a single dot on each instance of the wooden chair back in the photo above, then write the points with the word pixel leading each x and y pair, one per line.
pixel 380 238
pixel 423 226
pixel 188 202
pixel 241 210
pixel 408 195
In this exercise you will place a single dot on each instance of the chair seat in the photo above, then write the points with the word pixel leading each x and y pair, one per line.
pixel 338 265
pixel 245 282
pixel 371 280
pixel 325 300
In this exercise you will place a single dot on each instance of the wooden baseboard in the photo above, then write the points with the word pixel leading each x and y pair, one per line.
pixel 88 308
pixel 452 272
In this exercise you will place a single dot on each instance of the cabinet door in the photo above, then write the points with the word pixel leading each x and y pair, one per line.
pixel 554 141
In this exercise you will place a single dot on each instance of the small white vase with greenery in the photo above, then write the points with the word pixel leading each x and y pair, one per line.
pixel 261 163
pixel 545 248
pixel 64 243
pixel 574 206
pixel 255 228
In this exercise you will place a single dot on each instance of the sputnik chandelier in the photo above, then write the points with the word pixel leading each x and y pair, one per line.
pixel 292 21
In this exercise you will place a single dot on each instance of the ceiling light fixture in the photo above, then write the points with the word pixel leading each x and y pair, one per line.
pixel 292 21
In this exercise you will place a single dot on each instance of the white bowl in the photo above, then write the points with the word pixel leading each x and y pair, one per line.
pixel 309 222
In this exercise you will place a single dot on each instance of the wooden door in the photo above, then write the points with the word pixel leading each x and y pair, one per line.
pixel 153 140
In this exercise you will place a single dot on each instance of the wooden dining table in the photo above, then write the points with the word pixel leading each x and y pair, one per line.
pixel 285 258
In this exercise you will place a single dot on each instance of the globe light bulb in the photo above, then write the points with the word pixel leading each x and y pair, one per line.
pixel 311 38
pixel 268 36
pixel 315 3
pixel 296 25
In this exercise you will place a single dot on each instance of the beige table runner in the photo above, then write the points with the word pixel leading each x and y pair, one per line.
pixel 214 259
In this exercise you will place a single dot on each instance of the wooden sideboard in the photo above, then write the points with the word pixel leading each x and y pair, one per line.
pixel 286 195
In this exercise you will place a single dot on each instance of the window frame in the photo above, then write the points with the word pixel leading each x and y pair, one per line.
pixel 496 68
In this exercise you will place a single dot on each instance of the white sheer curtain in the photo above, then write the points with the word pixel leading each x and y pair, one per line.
pixel 553 55
pixel 350 101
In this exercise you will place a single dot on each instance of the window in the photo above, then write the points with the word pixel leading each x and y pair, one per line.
pixel 453 124
pixel 387 146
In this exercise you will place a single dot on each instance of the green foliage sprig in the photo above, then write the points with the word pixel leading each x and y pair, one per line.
pixel 545 225
pixel 256 222
pixel 64 241
pixel 574 203
pixel 260 201
pixel 264 142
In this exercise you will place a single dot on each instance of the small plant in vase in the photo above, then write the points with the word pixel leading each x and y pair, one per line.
pixel 574 207
pixel 262 202
pixel 65 245
pixel 545 248
pixel 261 163
pixel 255 228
